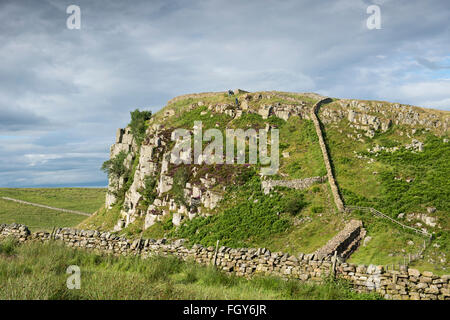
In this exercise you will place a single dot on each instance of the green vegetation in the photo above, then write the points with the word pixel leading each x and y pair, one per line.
pixel 36 218
pixel 80 199
pixel 249 217
pixel 138 124
pixel 179 181
pixel 160 229
pixel 102 220
pixel 294 203
pixel 395 182
pixel 308 230
pixel 388 244
pixel 299 138
pixel 430 170
pixel 38 271
pixel 115 167
pixel 149 191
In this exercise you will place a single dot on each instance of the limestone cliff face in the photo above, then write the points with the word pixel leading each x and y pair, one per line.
pixel 372 116
pixel 124 142
pixel 153 161
pixel 203 189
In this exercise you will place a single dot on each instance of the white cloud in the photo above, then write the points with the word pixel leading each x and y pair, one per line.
pixel 64 92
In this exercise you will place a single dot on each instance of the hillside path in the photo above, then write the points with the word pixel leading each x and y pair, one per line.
pixel 46 207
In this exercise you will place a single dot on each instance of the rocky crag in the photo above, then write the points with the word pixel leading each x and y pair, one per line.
pixel 204 187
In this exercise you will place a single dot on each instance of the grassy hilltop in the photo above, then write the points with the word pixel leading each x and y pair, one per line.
pixel 404 184
pixel 376 169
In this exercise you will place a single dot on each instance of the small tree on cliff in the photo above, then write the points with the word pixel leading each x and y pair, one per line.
pixel 138 124
pixel 115 166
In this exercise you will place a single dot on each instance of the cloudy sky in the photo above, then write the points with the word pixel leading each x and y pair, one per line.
pixel 64 92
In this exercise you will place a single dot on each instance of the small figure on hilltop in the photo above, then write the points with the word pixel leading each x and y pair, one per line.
pixel 230 93
pixel 237 102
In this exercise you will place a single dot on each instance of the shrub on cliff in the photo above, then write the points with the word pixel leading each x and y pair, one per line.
pixel 179 181
pixel 115 166
pixel 138 124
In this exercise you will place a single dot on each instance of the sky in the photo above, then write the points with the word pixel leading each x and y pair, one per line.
pixel 64 92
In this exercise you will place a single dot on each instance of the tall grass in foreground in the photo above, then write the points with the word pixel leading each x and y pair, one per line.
pixel 38 271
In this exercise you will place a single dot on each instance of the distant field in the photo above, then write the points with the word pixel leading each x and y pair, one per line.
pixel 81 199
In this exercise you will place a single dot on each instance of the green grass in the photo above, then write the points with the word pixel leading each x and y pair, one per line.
pixel 80 199
pixel 309 230
pixel 239 221
pixel 389 245
pixel 38 271
pixel 300 140
pixel 37 219
pixel 102 220
pixel 360 186
pixel 248 216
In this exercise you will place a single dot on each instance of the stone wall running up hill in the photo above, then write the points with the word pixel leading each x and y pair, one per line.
pixel 334 189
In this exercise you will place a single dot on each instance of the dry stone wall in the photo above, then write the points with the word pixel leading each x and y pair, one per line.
pixel 334 189
pixel 268 185
pixel 403 284
pixel 345 242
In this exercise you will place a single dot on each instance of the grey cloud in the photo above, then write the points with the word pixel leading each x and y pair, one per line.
pixel 431 64
pixel 77 86
pixel 19 119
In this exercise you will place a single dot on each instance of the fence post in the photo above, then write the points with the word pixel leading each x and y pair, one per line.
pixel 139 244
pixel 52 235
pixel 333 268
pixel 215 253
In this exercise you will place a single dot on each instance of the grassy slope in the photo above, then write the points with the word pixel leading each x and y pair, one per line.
pixel 37 219
pixel 298 137
pixel 355 177
pixel 81 199
pixel 38 271
pixel 102 219
pixel 360 186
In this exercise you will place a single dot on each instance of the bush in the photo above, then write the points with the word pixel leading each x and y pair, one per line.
pixel 179 182
pixel 149 192
pixel 295 202
pixel 115 166
pixel 249 216
pixel 138 124
pixel 316 209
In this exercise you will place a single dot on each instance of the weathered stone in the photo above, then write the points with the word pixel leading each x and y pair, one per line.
pixel 414 272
